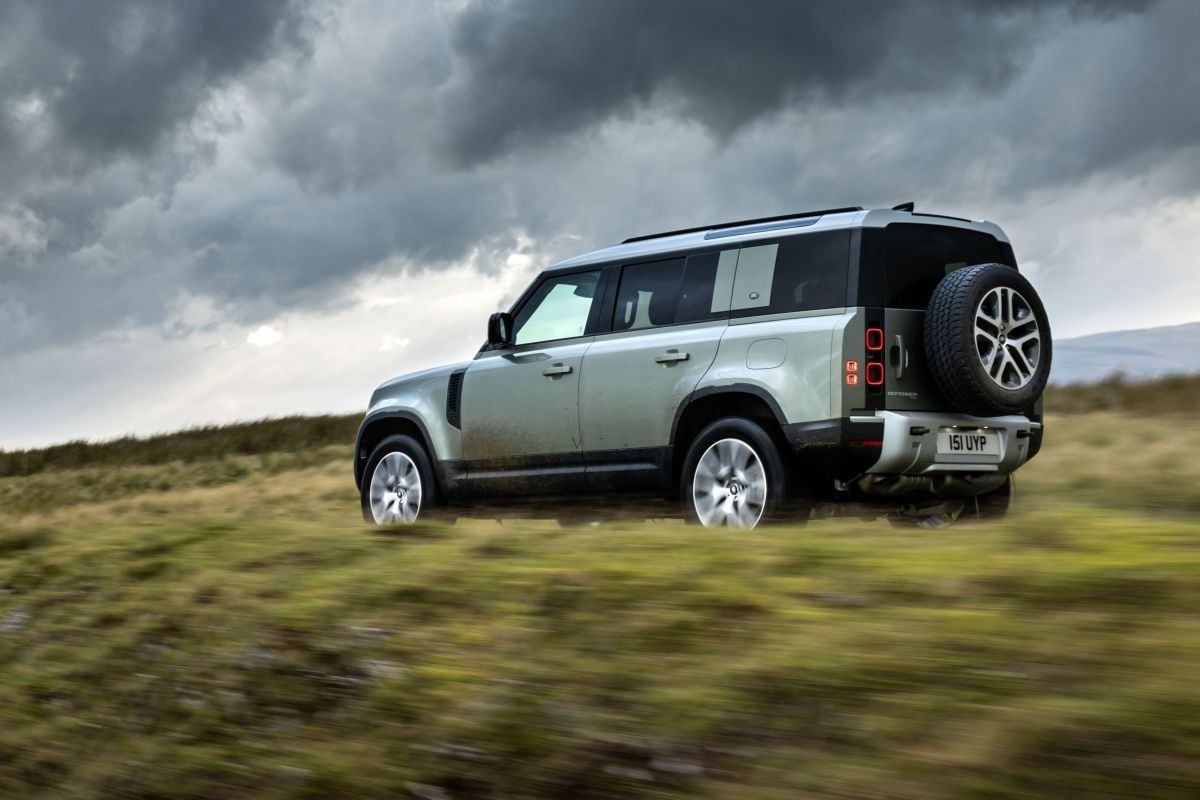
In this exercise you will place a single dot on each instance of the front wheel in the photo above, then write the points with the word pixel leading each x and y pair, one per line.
pixel 733 476
pixel 398 486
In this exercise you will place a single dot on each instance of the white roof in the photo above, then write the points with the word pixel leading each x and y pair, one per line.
pixel 871 218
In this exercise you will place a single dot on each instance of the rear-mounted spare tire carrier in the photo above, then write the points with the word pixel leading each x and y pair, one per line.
pixel 987 340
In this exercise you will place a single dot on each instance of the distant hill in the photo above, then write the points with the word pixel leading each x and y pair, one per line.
pixel 1140 354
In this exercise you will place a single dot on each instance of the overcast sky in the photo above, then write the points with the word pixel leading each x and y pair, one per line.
pixel 223 210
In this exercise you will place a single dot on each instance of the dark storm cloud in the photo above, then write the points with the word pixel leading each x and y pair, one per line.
pixel 169 168
pixel 1122 103
pixel 537 70
pixel 116 78
pixel 96 98
pixel 436 132
pixel 97 104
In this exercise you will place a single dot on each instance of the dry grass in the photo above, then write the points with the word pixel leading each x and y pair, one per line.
pixel 191 446
pixel 1174 396
pixel 254 640
pixel 1118 461
pixel 226 628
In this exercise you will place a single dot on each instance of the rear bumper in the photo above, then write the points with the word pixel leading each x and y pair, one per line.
pixel 905 443
pixel 910 443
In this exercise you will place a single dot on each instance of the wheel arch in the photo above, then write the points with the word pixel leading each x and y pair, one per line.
pixel 714 402
pixel 377 427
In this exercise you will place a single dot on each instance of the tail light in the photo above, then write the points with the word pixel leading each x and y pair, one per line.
pixel 874 340
pixel 873 369
pixel 866 368
pixel 874 373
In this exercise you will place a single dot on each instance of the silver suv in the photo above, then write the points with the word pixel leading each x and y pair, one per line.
pixel 847 361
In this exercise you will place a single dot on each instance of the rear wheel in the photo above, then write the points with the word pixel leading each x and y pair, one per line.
pixel 398 485
pixel 993 505
pixel 733 476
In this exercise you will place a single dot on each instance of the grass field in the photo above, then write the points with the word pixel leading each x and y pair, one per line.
pixel 204 616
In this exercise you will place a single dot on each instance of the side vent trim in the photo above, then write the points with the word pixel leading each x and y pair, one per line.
pixel 454 398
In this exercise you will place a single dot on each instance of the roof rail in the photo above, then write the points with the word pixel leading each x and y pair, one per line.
pixel 741 222
pixel 939 216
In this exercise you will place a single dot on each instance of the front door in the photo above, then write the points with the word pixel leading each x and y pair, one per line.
pixel 520 404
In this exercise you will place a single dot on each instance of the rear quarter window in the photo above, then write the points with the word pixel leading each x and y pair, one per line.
pixel 799 273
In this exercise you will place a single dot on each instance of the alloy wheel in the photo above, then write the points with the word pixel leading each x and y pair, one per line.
pixel 395 490
pixel 730 485
pixel 1007 338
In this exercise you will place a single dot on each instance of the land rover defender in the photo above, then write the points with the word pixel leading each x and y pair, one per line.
pixel 876 362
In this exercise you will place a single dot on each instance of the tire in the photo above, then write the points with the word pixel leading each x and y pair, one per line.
pixel 987 368
pixel 398 461
pixel 994 505
pixel 754 485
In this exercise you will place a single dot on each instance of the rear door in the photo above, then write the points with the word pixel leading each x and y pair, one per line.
pixel 667 320
pixel 908 383
pixel 915 259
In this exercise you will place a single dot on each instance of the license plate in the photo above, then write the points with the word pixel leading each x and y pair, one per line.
pixel 953 442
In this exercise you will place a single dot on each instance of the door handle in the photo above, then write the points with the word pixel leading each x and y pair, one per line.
pixel 557 369
pixel 901 356
pixel 671 356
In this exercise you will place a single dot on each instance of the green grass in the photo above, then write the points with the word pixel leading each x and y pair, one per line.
pixel 225 627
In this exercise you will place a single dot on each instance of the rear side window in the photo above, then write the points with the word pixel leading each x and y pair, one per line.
pixel 706 285
pixel 799 273
pixel 648 295
pixel 919 256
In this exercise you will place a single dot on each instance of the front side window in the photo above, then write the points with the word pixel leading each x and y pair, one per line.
pixel 648 295
pixel 558 309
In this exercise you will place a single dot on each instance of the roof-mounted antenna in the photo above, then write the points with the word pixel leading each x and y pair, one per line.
pixel 909 206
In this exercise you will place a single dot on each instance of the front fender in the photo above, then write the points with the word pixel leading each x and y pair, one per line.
pixel 382 423
pixel 418 401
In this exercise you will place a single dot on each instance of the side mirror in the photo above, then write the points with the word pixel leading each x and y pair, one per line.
pixel 500 329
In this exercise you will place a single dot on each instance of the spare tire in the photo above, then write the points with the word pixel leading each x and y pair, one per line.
pixel 987 340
